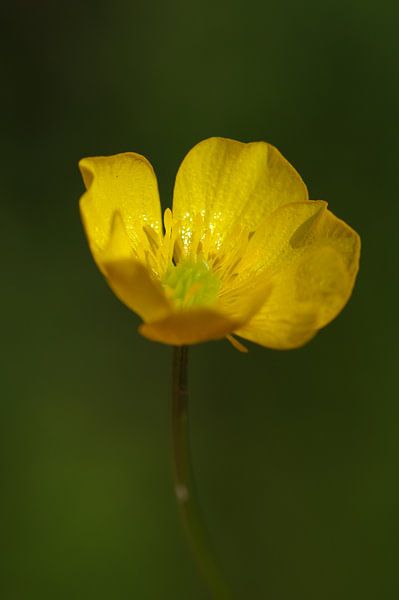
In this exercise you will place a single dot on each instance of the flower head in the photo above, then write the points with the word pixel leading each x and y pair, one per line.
pixel 244 251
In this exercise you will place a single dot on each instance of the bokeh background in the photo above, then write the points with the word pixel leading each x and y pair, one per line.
pixel 296 453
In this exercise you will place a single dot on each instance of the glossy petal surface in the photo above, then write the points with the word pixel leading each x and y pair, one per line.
pixel 229 182
pixel 312 275
pixel 120 205
pixel 124 183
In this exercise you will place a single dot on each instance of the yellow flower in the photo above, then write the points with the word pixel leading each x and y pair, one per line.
pixel 244 252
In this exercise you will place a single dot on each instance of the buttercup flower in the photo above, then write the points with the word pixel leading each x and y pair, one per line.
pixel 244 251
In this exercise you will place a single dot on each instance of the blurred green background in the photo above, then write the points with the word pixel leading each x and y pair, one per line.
pixel 296 453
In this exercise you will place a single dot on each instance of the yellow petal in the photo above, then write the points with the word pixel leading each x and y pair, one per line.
pixel 242 300
pixel 189 327
pixel 131 280
pixel 123 183
pixel 247 289
pixel 311 287
pixel 278 333
pixel 343 238
pixel 227 182
pixel 133 285
pixel 281 236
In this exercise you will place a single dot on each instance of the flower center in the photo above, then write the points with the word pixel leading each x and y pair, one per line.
pixel 191 284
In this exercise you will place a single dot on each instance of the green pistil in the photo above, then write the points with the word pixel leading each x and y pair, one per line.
pixel 191 284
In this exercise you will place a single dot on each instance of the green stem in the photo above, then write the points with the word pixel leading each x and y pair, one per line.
pixel 184 481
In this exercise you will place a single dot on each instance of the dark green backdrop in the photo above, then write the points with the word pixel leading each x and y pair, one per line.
pixel 296 453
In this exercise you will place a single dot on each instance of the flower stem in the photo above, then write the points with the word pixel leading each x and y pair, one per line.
pixel 184 481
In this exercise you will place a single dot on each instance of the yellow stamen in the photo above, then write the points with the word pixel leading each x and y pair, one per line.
pixel 236 344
